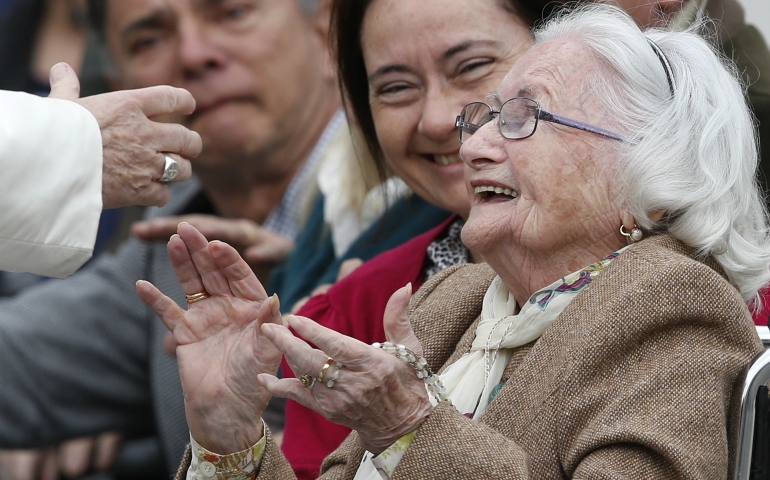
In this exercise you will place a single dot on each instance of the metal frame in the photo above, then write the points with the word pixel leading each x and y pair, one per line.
pixel 758 374
pixel 539 114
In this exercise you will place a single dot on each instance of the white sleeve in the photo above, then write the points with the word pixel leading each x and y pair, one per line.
pixel 50 184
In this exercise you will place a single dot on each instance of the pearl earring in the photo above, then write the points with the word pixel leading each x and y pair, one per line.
pixel 633 237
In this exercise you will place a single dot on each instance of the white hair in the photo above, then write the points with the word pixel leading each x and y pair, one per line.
pixel 693 154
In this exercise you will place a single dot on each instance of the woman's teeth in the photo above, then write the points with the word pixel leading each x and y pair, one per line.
pixel 488 188
pixel 447 159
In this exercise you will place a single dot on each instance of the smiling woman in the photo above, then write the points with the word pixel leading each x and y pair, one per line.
pixel 416 66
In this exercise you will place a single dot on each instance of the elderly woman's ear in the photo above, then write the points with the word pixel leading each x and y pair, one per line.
pixel 629 222
pixel 631 230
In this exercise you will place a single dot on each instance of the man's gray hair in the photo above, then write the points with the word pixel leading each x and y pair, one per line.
pixel 692 154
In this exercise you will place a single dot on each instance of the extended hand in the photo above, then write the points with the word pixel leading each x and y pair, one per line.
pixel 258 245
pixel 374 393
pixel 220 348
pixel 133 146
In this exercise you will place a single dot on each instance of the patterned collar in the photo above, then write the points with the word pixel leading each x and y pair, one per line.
pixel 447 251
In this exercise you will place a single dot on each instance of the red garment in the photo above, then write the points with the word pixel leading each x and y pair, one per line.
pixel 354 307
pixel 761 316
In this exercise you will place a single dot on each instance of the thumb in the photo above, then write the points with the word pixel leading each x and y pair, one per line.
pixel 270 312
pixel 64 82
pixel 398 328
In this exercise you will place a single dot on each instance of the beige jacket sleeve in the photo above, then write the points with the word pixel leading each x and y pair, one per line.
pixel 50 184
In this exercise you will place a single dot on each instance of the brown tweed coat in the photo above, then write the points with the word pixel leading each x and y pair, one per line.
pixel 633 380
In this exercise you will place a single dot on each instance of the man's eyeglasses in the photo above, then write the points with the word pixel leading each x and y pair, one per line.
pixel 518 119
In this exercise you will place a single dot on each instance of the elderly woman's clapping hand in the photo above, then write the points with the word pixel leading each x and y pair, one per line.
pixel 220 347
pixel 230 342
pixel 372 391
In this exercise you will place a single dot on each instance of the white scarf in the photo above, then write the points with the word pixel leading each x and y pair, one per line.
pixel 470 380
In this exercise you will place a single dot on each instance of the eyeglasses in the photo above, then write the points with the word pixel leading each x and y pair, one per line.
pixel 518 119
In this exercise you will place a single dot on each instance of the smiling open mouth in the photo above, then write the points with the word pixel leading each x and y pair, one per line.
pixel 444 159
pixel 488 192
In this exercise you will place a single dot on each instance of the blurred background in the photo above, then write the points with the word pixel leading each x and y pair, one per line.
pixel 758 13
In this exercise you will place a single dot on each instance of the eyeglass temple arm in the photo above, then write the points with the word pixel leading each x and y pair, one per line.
pixel 568 122
pixel 465 126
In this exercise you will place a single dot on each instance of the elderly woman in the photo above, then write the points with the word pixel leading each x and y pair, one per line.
pixel 574 356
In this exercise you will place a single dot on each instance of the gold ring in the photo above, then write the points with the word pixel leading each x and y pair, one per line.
pixel 307 381
pixel 324 369
pixel 197 297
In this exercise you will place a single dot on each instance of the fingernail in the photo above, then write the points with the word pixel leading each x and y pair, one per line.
pixel 267 326
pixel 182 223
pixel 174 235
pixel 409 291
pixel 291 321
pixel 275 305
pixel 58 72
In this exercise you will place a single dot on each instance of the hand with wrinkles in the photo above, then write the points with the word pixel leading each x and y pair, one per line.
pixel 220 347
pixel 230 345
pixel 133 146
pixel 374 393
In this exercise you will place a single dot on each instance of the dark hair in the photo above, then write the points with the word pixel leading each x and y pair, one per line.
pixel 347 21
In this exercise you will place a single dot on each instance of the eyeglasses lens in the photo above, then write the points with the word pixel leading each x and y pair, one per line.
pixel 473 117
pixel 518 118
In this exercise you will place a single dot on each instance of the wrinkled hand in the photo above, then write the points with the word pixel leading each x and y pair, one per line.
pixel 133 145
pixel 220 347
pixel 375 394
pixel 74 459
pixel 258 245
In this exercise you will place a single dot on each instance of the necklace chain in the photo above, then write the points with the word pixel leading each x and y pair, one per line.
pixel 487 363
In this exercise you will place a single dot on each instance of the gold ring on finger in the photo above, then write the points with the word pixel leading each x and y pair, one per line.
pixel 326 366
pixel 197 297
pixel 307 381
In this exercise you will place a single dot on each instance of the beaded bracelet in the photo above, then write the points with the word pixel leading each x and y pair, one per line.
pixel 432 381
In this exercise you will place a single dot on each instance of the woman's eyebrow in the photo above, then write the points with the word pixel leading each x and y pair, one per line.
pixel 448 54
pixel 461 47
pixel 526 91
pixel 385 69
